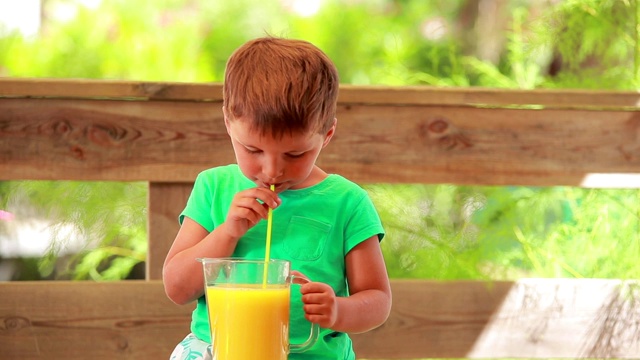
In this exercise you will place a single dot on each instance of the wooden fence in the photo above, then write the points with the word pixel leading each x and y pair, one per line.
pixel 165 133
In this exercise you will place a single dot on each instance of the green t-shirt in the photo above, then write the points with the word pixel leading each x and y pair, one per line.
pixel 314 228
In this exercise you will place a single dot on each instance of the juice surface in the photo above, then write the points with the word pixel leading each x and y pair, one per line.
pixel 249 321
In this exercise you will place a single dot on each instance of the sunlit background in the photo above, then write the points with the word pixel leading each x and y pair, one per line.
pixel 439 232
pixel 24 15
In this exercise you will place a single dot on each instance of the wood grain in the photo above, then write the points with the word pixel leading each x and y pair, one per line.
pixel 107 89
pixel 109 140
pixel 434 144
pixel 533 318
pixel 88 320
pixel 433 319
pixel 173 141
pixel 166 202
pixel 166 133
pixel 530 318
pixel 349 94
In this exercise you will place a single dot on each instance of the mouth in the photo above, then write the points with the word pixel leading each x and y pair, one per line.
pixel 276 186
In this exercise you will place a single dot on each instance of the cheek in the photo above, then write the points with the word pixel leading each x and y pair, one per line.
pixel 246 163
pixel 301 168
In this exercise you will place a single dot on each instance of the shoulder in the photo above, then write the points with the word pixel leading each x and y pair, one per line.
pixel 227 174
pixel 333 191
pixel 343 185
pixel 227 177
pixel 340 192
pixel 225 171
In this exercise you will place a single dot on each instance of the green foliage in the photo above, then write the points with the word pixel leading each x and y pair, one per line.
pixel 596 42
pixel 437 231
pixel 523 70
pixel 110 217
pixel 459 232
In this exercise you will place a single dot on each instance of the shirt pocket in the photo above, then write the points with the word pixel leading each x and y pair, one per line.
pixel 305 238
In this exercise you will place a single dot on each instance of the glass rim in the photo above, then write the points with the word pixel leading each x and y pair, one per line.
pixel 239 260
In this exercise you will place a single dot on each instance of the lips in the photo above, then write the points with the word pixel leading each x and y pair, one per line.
pixel 268 185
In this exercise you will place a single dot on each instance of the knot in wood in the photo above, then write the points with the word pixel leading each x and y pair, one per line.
pixel 441 132
pixel 105 134
pixel 77 152
pixel 62 127
pixel 15 323
pixel 121 343
pixel 438 126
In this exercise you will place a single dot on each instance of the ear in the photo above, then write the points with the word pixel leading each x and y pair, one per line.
pixel 226 119
pixel 329 134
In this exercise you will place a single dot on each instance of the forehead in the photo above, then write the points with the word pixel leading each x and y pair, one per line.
pixel 247 135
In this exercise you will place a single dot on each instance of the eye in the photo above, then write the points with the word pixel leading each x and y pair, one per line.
pixel 252 151
pixel 295 155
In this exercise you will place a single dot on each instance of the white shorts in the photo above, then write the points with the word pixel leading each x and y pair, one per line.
pixel 191 348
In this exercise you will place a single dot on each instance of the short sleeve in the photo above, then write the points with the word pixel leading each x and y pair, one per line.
pixel 198 206
pixel 363 223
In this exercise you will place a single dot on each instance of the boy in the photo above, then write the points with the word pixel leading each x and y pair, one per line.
pixel 279 108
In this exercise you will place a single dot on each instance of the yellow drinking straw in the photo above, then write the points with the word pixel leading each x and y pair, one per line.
pixel 268 246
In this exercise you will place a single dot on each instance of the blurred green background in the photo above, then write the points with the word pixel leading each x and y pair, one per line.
pixel 97 230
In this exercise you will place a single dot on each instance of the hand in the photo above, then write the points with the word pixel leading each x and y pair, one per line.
pixel 320 304
pixel 245 210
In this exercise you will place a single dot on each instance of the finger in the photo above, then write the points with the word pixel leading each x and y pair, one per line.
pixel 321 320
pixel 242 215
pixel 315 287
pixel 253 206
pixel 251 216
pixel 268 197
pixel 316 307
pixel 299 278
pixel 262 195
pixel 318 301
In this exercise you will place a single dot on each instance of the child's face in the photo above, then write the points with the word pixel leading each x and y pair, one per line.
pixel 287 162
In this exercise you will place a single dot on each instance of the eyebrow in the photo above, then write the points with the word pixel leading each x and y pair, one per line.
pixel 255 147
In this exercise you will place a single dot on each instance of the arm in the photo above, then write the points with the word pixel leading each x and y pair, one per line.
pixel 182 275
pixel 369 302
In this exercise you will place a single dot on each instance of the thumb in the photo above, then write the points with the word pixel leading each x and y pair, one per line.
pixel 299 278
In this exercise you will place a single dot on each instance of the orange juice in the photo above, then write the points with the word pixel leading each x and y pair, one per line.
pixel 249 322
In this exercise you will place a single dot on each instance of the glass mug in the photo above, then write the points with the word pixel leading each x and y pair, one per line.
pixel 248 315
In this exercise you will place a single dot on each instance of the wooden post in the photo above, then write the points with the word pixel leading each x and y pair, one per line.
pixel 166 201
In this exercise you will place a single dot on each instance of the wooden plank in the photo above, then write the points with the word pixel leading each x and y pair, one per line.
pixel 482 146
pixel 166 202
pixel 88 320
pixel 488 97
pixel 349 94
pixel 160 132
pixel 433 320
pixel 565 318
pixel 173 141
pixel 533 318
pixel 108 89
pixel 110 140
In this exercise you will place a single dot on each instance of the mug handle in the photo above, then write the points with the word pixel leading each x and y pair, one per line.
pixel 315 329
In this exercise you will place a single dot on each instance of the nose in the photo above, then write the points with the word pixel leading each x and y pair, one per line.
pixel 272 168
